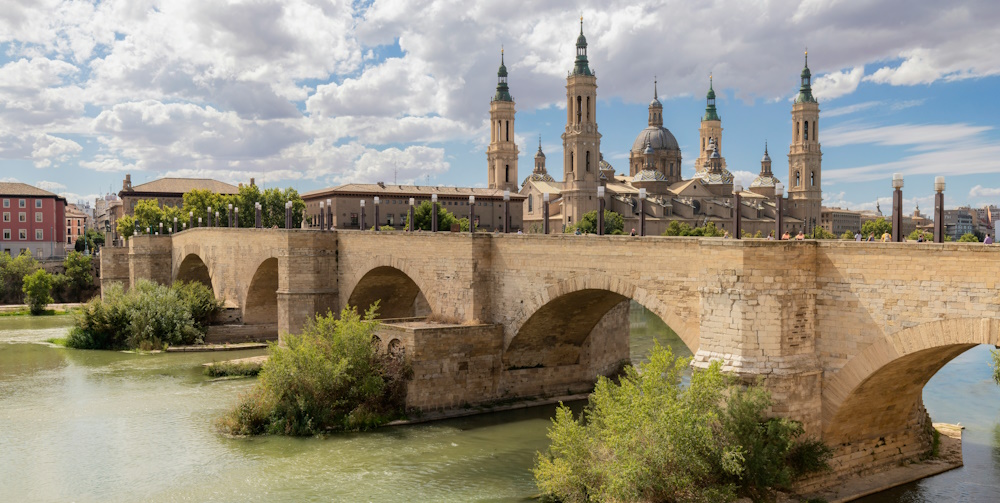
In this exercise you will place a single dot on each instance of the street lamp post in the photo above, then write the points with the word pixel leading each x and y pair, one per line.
pixel 737 222
pixel 779 218
pixel 229 214
pixel 600 210
pixel 472 214
pixel 939 209
pixel 377 221
pixel 161 229
pixel 322 216
pixel 897 207
pixel 362 222
pixel 256 215
pixel 545 213
pixel 218 222
pixel 434 212
pixel 236 217
pixel 288 215
pixel 409 227
pixel 175 225
pixel 329 214
pixel 209 216
pixel 199 221
pixel 506 211
pixel 642 212
pixel 190 219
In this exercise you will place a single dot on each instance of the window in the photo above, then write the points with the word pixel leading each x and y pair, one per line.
pixel 588 160
pixel 6 203
pixel 6 234
pixel 389 219
pixel 6 216
pixel 812 178
pixel 21 203
pixel 38 203
pixel 507 173
pixel 38 216
pixel 354 219
pixel 22 217
pixel 531 203
pixel 796 178
pixel 39 235
pixel 579 105
pixel 805 131
pixel 22 234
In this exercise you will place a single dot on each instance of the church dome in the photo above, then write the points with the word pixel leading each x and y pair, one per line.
pixel 538 177
pixel 764 181
pixel 649 175
pixel 660 138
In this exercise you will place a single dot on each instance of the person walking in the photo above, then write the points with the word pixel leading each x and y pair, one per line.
pixel 886 237
pixel 858 236
pixel 871 237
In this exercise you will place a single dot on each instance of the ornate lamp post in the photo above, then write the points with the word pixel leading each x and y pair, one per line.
pixel 209 215
pixel 362 222
pixel 642 212
pixel 236 217
pixel 897 207
pixel 160 232
pixel 376 214
pixel 288 215
pixel 434 212
pixel 939 209
pixel 190 219
pixel 175 225
pixel 545 213
pixel 322 216
pixel 409 228
pixel 506 211
pixel 229 213
pixel 472 214
pixel 199 221
pixel 779 217
pixel 329 214
pixel 737 222
pixel 256 216
pixel 217 221
pixel 600 211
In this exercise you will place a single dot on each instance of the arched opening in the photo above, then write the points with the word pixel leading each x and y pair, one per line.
pixel 262 297
pixel 589 328
pixel 192 268
pixel 506 126
pixel 398 295
pixel 579 110
pixel 507 173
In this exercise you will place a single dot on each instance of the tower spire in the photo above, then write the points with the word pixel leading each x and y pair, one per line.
pixel 581 67
pixel 805 92
pixel 655 94
pixel 503 93
pixel 710 113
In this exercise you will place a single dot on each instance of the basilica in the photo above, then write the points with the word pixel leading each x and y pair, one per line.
pixel 654 170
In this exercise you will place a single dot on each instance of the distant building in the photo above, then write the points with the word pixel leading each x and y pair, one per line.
pixel 33 221
pixel 394 204
pixel 958 222
pixel 76 225
pixel 168 191
pixel 838 220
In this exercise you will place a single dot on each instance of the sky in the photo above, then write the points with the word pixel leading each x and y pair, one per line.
pixel 318 93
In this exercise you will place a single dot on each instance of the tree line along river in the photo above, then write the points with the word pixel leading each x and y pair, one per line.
pixel 109 426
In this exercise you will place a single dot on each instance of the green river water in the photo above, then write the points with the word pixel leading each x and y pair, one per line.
pixel 100 426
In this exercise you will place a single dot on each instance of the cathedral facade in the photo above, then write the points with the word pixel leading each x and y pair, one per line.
pixel 655 167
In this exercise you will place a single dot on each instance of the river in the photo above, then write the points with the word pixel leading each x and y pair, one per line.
pixel 107 426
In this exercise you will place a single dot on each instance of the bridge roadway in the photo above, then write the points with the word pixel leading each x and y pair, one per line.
pixel 846 334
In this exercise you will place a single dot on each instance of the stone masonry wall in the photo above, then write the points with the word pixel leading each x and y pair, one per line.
pixel 114 266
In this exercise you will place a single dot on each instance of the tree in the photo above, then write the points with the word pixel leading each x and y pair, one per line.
pixel 682 229
pixel 38 291
pixel 915 235
pixel 821 233
pixel 588 223
pixel 878 226
pixel 649 438
pixel 79 272
pixel 422 217
pixel 197 202
pixel 12 273
pixel 847 236
pixel 968 237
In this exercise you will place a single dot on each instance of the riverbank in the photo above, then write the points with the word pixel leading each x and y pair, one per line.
pixel 949 458
pixel 23 310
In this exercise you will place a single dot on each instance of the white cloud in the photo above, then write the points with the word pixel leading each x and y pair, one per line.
pixel 980 191
pixel 50 186
pixel 48 147
pixel 919 135
pixel 850 109
pixel 837 84
pixel 744 177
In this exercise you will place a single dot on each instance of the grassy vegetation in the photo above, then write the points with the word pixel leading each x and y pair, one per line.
pixel 234 369
pixel 650 439
pixel 329 378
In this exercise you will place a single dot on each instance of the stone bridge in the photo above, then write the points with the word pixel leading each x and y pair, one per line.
pixel 845 334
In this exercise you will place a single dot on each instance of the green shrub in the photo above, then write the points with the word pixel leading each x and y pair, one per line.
pixel 234 369
pixel 37 291
pixel 968 237
pixel 650 439
pixel 331 377
pixel 200 300
pixel 79 273
pixel 148 316
pixel 12 273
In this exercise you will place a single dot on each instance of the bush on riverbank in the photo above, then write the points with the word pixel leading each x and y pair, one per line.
pixel 650 439
pixel 147 316
pixel 331 377
pixel 37 291
pixel 234 369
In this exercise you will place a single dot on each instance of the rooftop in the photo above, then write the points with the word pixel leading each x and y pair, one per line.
pixel 23 189
pixel 183 185
pixel 407 190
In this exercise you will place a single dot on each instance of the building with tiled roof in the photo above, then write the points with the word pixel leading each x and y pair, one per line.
pixel 32 221
pixel 169 191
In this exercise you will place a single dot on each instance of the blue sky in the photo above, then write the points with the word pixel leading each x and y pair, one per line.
pixel 311 93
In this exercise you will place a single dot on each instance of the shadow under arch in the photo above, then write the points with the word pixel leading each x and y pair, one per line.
pixel 193 268
pixel 562 319
pixel 879 391
pixel 398 295
pixel 261 306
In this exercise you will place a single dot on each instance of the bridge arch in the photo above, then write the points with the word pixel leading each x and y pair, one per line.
pixel 193 268
pixel 398 293
pixel 879 391
pixel 261 306
pixel 557 320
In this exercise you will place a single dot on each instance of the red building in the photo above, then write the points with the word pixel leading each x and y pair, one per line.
pixel 32 220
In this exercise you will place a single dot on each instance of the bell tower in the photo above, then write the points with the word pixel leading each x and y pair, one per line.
pixel 581 141
pixel 501 155
pixel 805 193
pixel 710 129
